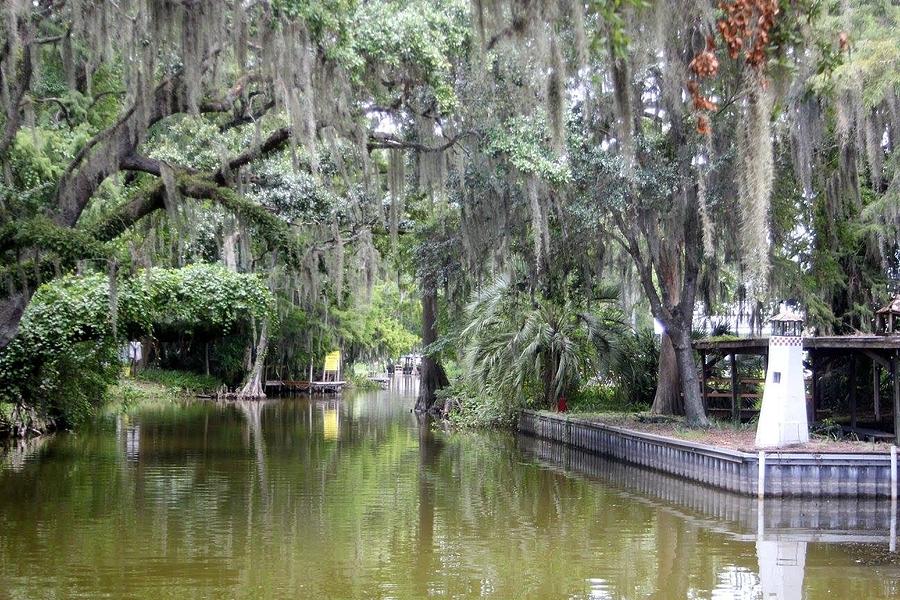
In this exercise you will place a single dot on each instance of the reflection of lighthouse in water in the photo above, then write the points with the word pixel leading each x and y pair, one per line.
pixel 781 567
pixel 782 419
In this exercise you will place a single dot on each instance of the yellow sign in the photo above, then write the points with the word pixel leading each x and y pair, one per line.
pixel 332 361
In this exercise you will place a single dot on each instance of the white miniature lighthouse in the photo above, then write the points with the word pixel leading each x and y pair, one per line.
pixel 782 420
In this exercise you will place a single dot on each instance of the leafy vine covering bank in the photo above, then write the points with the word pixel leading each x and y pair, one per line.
pixel 68 348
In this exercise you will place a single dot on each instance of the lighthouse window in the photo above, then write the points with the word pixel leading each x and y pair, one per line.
pixel 776 377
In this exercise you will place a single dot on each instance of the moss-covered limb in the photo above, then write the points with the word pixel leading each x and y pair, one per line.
pixel 273 230
pixel 42 249
pixel 66 243
pixel 276 140
pixel 114 148
pixel 148 200
pixel 17 94
pixel 70 244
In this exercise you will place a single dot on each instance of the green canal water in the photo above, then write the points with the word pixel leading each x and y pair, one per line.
pixel 353 498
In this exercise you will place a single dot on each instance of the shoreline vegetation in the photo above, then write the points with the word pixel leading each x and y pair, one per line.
pixel 149 385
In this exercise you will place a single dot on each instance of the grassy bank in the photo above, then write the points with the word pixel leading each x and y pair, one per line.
pixel 183 381
pixel 159 385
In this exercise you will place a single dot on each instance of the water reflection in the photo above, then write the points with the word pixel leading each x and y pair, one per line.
pixel 430 447
pixel 782 530
pixel 330 423
pixel 781 568
pixel 357 498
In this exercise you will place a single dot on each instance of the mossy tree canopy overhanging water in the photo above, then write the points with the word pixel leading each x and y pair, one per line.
pixel 266 78
pixel 189 113
pixel 336 145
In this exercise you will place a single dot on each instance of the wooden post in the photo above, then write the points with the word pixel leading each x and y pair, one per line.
pixel 876 389
pixel 735 397
pixel 811 405
pixel 852 384
pixel 895 378
pixel 703 380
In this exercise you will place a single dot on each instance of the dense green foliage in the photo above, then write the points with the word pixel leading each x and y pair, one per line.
pixel 67 351
pixel 522 347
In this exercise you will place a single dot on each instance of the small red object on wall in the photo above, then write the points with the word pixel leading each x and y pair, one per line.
pixel 561 405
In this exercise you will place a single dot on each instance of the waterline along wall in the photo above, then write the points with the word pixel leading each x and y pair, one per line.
pixel 776 474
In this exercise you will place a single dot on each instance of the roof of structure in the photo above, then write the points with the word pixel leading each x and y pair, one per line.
pixel 759 345
pixel 891 307
pixel 788 314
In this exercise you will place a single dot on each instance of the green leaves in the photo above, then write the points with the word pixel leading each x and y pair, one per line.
pixel 197 297
pixel 418 38
pixel 524 142
pixel 66 347
pixel 516 344
pixel 376 328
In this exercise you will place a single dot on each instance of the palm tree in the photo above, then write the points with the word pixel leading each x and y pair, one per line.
pixel 518 344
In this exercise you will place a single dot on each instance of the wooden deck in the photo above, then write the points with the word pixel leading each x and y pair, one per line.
pixel 760 345
pixel 844 351
pixel 326 387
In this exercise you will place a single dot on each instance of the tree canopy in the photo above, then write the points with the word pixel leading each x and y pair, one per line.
pixel 707 158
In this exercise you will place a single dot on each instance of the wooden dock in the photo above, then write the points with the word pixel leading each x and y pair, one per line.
pixel 289 387
pixel 326 387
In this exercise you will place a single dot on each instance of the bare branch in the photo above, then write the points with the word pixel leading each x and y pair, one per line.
pixel 275 141
pixel 380 140
pixel 137 162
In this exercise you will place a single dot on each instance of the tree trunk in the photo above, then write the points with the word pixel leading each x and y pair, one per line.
pixel 254 387
pixel 694 413
pixel 11 309
pixel 430 448
pixel 431 376
pixel 667 400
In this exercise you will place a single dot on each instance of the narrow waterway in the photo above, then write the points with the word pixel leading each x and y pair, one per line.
pixel 352 498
